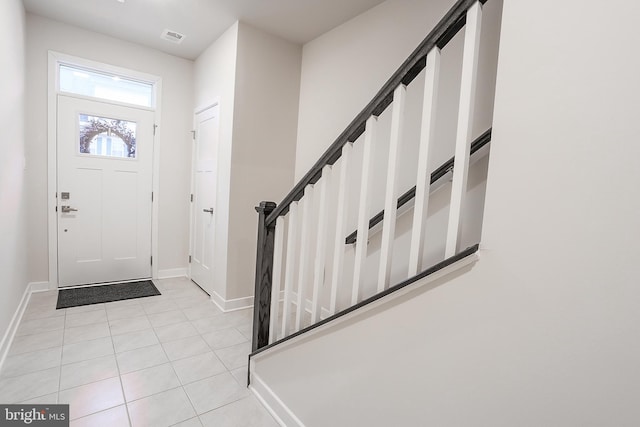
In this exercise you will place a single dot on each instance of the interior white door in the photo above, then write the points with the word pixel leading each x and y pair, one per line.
pixel 204 197
pixel 104 171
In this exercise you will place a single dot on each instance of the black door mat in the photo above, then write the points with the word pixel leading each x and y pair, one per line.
pixel 105 293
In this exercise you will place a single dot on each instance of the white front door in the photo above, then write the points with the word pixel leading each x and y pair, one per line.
pixel 204 198
pixel 104 168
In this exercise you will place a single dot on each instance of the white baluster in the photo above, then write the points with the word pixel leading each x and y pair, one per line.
pixel 465 125
pixel 303 267
pixel 290 265
pixel 427 136
pixel 341 222
pixel 362 235
pixel 391 193
pixel 277 279
pixel 321 243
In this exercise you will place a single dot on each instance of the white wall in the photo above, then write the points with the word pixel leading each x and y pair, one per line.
pixel 175 138
pixel 343 69
pixel 214 80
pixel 13 226
pixel 256 78
pixel 543 330
pixel 264 142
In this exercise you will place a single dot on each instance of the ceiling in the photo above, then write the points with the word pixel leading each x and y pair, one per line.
pixel 201 21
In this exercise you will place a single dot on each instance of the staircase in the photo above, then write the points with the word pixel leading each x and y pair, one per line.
pixel 350 234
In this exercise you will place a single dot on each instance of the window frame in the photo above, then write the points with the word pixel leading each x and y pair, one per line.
pixel 54 59
pixel 106 69
pixel 104 156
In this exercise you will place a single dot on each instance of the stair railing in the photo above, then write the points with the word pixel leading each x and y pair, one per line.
pixel 299 271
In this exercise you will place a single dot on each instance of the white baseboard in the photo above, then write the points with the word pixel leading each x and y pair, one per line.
pixel 10 333
pixel 170 273
pixel 247 302
pixel 272 403
pixel 308 306
pixel 39 286
pixel 227 305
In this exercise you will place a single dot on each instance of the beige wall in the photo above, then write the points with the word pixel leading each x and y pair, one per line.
pixel 543 329
pixel 343 69
pixel 255 77
pixel 264 141
pixel 174 145
pixel 13 165
pixel 214 81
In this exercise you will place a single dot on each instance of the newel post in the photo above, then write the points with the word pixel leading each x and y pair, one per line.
pixel 264 271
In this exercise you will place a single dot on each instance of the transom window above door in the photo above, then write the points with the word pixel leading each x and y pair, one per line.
pixel 85 82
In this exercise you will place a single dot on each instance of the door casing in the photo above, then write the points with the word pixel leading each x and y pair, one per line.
pixel 54 59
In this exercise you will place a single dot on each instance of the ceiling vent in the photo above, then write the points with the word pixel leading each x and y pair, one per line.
pixel 172 36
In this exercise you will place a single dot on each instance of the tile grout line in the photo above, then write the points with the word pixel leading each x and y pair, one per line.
pixel 118 366
pixel 213 351
pixel 176 374
pixel 228 370
pixel 60 368
pixel 87 359
pixel 115 357
pixel 8 354
pixel 154 332
pixel 33 371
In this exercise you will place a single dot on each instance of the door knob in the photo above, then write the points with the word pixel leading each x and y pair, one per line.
pixel 210 210
pixel 67 209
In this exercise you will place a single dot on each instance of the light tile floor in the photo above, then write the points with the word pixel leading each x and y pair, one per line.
pixel 168 360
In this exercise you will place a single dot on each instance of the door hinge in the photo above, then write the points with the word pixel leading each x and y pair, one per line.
pixel 193 134
pixel 152 196
pixel 155 126
pixel 151 259
pixel 189 259
pixel 192 197
pixel 56 209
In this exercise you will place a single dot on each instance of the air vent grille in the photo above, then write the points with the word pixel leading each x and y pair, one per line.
pixel 172 36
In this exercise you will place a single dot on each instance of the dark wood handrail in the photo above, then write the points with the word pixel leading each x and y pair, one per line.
pixel 440 172
pixel 443 32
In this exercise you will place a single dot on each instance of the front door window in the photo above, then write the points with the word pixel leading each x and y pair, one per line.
pixel 101 136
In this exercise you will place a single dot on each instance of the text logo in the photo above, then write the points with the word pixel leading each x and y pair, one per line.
pixel 34 415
